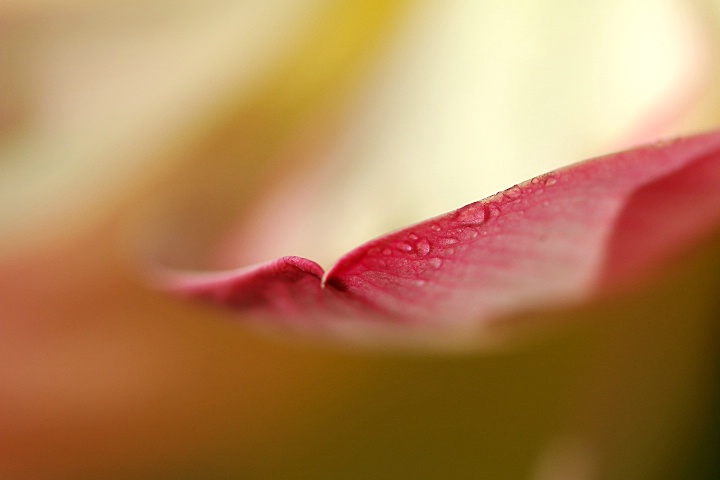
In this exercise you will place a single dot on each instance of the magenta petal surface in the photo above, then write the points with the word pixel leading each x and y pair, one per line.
pixel 554 240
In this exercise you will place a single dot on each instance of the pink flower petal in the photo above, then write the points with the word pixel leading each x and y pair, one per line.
pixel 557 239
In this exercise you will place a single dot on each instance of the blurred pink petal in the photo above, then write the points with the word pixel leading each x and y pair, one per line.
pixel 555 240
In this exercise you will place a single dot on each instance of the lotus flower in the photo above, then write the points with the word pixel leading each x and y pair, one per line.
pixel 212 137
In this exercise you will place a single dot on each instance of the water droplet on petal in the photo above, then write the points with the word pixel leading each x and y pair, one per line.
pixel 550 181
pixel 471 214
pixel 435 262
pixel 467 234
pixel 412 236
pixel 436 228
pixel 492 210
pixel 423 247
pixel 403 247
pixel 512 192
pixel 447 241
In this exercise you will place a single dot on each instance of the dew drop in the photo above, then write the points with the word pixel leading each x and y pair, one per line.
pixel 435 228
pixel 412 236
pixel 550 181
pixel 512 192
pixel 435 262
pixel 467 234
pixel 423 247
pixel 493 210
pixel 471 214
pixel 447 241
pixel 539 191
pixel 403 247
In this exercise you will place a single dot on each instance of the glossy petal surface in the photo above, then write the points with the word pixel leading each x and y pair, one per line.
pixel 551 241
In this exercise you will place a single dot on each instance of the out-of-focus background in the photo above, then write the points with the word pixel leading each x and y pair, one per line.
pixel 217 134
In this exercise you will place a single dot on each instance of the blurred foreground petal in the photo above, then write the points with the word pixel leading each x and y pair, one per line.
pixel 554 240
